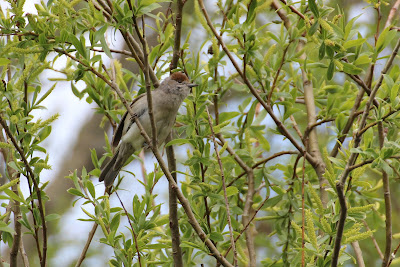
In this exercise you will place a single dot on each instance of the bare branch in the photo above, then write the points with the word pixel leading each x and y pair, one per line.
pixel 87 245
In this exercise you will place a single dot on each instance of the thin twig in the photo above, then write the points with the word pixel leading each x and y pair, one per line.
pixel 13 206
pixel 228 212
pixel 394 254
pixel 87 245
pixel 374 241
pixel 277 73
pixel 349 123
pixel 248 224
pixel 294 10
pixel 133 230
pixel 388 205
pixel 278 154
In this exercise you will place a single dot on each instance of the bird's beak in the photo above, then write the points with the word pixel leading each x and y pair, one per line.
pixel 192 85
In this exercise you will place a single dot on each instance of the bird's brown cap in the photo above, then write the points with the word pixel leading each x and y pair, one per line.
pixel 179 77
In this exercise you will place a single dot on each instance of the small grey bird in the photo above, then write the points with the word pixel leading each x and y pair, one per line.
pixel 166 99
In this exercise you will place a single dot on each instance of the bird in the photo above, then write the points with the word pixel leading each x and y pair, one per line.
pixel 166 100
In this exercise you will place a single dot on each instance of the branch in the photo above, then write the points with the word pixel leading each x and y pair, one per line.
pixel 392 13
pixel 228 212
pixel 349 123
pixel 263 162
pixel 173 208
pixel 173 205
pixel 25 259
pixel 353 157
pixel 247 210
pixel 36 186
pixel 134 47
pixel 312 138
pixel 13 206
pixel 184 202
pixel 133 230
pixel 388 205
pixel 178 33
pixel 87 244
pixel 294 10
pixel 248 224
pixel 358 252
pixel 267 107
pixel 374 241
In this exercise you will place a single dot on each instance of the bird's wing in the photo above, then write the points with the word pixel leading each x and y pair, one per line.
pixel 119 132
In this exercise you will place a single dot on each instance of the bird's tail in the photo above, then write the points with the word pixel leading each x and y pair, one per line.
pixel 110 171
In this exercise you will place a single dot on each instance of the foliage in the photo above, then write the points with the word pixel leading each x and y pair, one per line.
pixel 304 110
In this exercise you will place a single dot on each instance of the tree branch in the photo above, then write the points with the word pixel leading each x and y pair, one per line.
pixel 228 212
pixel 353 157
pixel 31 176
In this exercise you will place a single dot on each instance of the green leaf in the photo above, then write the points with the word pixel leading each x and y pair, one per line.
pixel 4 61
pixel 177 142
pixel 46 94
pixel 77 44
pixel 351 69
pixel 224 116
pixel 340 122
pixel 352 43
pixel 251 14
pixel 384 39
pixel 321 52
pixel 9 184
pixel 271 202
pixel 313 28
pixel 261 139
pixel 75 192
pixel 216 237
pixel 349 27
pixel 90 187
pixel 231 190
pixel 44 133
pixel 313 8
pixel 14 196
pixel 7 229
pixel 330 71
pixel 363 59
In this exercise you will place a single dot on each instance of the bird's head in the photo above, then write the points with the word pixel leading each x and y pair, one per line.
pixel 178 83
